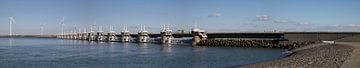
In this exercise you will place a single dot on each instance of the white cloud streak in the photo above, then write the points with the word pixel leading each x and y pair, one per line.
pixel 303 23
pixel 281 21
pixel 215 14
pixel 262 17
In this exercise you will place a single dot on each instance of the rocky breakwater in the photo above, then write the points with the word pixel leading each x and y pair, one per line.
pixel 256 43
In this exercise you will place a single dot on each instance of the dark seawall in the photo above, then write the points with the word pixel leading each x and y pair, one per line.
pixel 317 36
pixel 256 43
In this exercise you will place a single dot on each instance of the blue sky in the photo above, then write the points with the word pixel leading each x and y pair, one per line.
pixel 212 15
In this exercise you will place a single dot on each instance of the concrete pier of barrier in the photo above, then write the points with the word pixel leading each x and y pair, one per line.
pixel 91 36
pixel 143 37
pixel 125 36
pixel 99 36
pixel 111 37
pixel 166 35
pixel 198 35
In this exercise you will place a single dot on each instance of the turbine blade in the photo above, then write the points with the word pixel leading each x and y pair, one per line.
pixel 62 21
pixel 12 19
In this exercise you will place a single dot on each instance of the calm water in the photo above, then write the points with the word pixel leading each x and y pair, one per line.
pixel 50 53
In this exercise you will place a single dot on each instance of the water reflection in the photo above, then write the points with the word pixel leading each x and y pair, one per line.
pixel 144 48
pixel 111 43
pixel 166 48
pixel 198 48
pixel 112 49
pixel 84 42
pixel 10 42
pixel 143 45
pixel 124 45
pixel 78 41
pixel 101 42
pixel 62 42
pixel 91 42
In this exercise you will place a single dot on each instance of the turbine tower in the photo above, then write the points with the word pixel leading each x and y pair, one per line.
pixel 93 26
pixel 42 28
pixel 111 29
pixel 12 20
pixel 125 29
pixel 75 28
pixel 62 25
pixel 195 24
pixel 100 29
pixel 84 30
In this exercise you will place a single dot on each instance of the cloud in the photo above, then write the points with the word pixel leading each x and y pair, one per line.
pixel 353 25
pixel 281 21
pixel 349 26
pixel 248 24
pixel 341 28
pixel 303 23
pixel 215 14
pixel 262 17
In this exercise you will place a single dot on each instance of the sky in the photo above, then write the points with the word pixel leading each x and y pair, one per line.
pixel 210 15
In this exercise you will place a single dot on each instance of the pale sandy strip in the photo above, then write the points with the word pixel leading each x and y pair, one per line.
pixel 354 60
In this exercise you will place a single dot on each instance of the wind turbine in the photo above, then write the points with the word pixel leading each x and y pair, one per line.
pixel 62 25
pixel 75 28
pixel 195 24
pixel 12 20
pixel 42 28
pixel 111 29
pixel 125 29
pixel 100 29
pixel 79 30
pixel 92 26
pixel 84 30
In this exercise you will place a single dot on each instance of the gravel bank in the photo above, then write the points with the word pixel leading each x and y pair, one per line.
pixel 325 56
pixel 353 61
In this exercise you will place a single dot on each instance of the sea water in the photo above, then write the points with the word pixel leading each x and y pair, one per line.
pixel 63 53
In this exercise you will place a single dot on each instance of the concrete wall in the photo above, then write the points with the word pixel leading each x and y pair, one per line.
pixel 317 36
pixel 291 36
pixel 245 35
